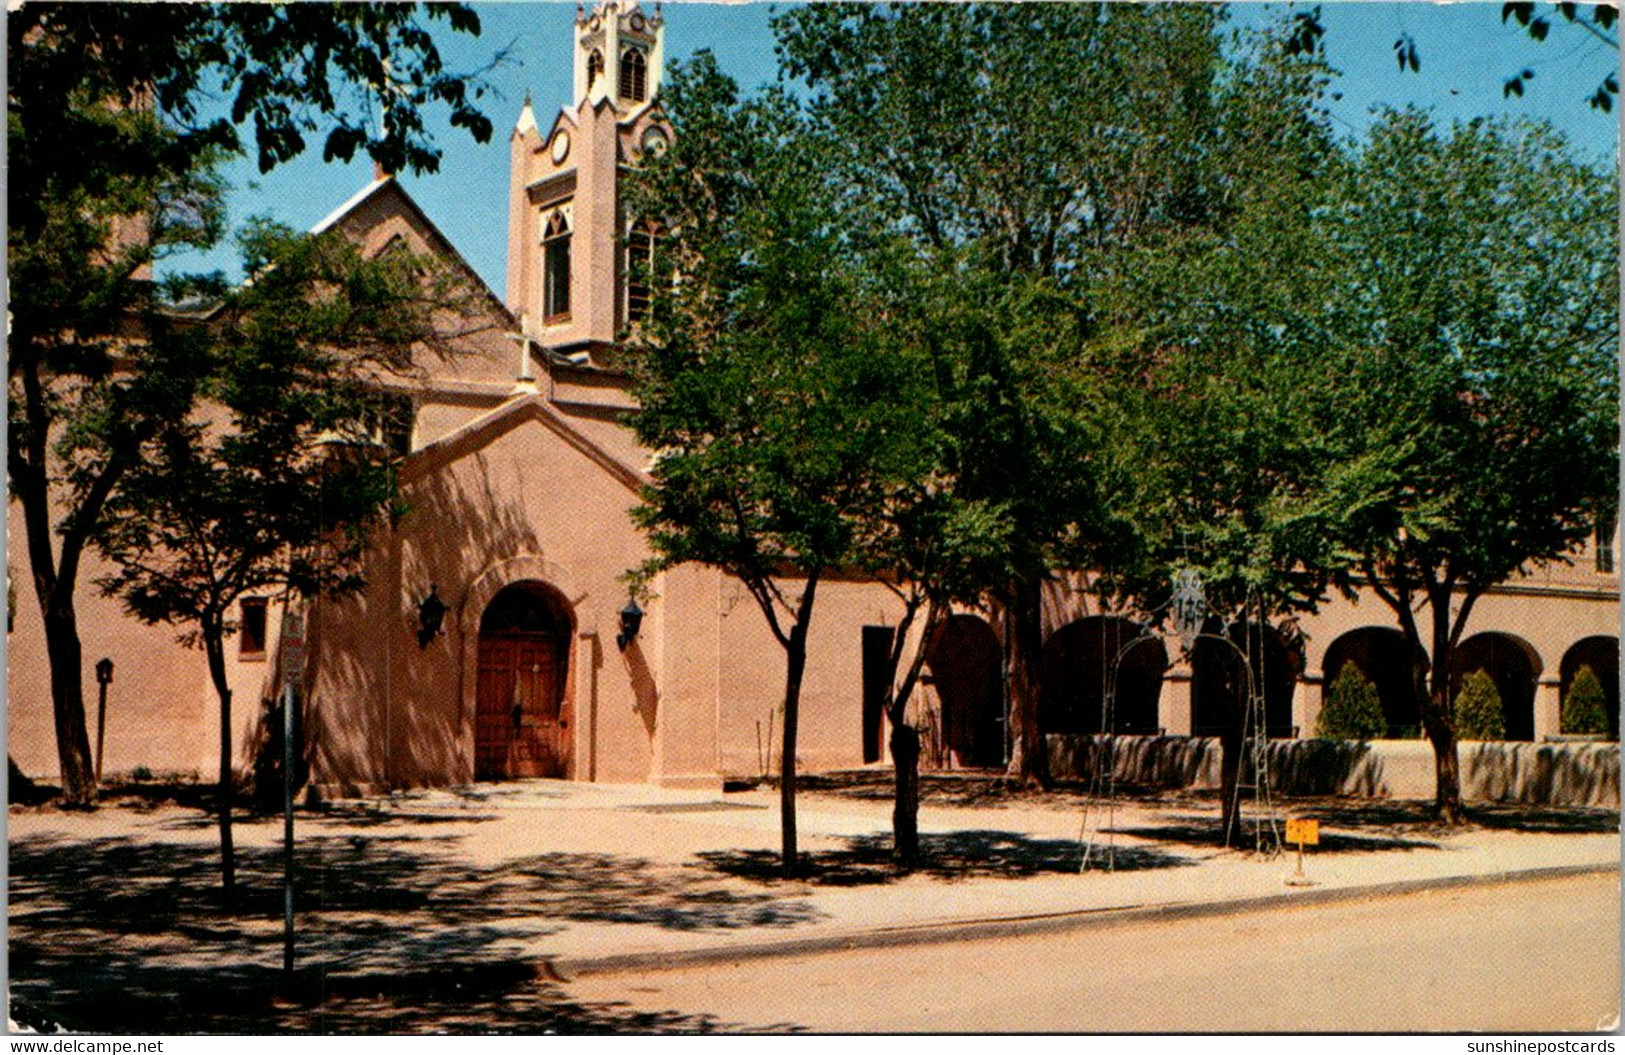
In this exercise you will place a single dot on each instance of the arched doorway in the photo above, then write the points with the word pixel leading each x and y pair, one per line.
pixel 1381 655
pixel 964 660
pixel 1078 665
pixel 1601 654
pixel 521 717
pixel 1511 664
pixel 1219 680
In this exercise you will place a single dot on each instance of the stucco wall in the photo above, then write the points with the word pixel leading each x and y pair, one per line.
pixel 522 505
pixel 1567 774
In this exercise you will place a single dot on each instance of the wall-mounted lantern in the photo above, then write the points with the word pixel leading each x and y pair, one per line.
pixel 431 613
pixel 631 622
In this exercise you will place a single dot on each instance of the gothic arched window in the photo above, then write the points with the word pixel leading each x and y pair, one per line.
pixel 634 75
pixel 595 67
pixel 640 269
pixel 555 268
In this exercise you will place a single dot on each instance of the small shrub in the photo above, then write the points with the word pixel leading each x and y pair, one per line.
pixel 140 773
pixel 1353 709
pixel 1478 709
pixel 1585 707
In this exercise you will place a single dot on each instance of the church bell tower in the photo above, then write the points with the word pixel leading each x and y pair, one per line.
pixel 568 237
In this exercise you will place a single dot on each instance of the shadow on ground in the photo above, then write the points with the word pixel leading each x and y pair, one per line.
pixel 1202 831
pixel 866 860
pixel 115 934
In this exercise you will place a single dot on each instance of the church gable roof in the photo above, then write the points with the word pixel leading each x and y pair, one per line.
pixel 526 407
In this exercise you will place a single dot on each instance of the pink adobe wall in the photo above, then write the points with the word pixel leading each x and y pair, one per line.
pixel 162 711
pixel 522 504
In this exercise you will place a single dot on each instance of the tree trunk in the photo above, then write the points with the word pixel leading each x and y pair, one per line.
pixel 1433 693
pixel 1023 649
pixel 905 814
pixel 63 650
pixel 795 668
pixel 214 646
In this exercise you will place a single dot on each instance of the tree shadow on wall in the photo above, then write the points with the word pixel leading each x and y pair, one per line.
pixel 866 860
pixel 117 935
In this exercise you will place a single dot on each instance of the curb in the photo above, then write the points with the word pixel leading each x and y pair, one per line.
pixel 566 968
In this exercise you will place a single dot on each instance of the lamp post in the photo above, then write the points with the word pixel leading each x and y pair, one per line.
pixel 104 678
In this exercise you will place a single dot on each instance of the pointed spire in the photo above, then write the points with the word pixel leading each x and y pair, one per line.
pixel 527 118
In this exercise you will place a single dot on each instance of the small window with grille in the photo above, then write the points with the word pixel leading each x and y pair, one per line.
pixel 595 67
pixel 251 629
pixel 1604 550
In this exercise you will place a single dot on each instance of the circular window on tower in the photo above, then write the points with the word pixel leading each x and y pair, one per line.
pixel 655 142
pixel 561 147
pixel 636 23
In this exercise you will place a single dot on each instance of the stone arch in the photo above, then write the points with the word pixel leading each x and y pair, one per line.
pixel 1513 665
pixel 1219 680
pixel 1601 654
pixel 1380 654
pixel 1081 659
pixel 966 667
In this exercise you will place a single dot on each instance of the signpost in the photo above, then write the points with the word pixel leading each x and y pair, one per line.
pixel 1304 832
pixel 293 665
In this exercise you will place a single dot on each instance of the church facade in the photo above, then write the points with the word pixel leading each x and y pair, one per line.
pixel 496 637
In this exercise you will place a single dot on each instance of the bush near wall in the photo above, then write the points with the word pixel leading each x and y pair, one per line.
pixel 1478 709
pixel 1353 709
pixel 1585 707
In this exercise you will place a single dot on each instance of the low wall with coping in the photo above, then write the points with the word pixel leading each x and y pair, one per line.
pixel 1578 773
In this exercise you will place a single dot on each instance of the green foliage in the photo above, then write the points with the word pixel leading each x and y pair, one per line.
pixel 1478 709
pixel 114 125
pixel 1585 706
pixel 141 772
pixel 274 485
pixel 1353 708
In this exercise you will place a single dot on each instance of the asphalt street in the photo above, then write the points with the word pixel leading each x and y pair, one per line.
pixel 1525 957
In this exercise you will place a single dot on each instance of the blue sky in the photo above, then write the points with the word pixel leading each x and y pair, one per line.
pixel 1466 54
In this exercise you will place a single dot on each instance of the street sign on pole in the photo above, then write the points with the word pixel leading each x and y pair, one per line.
pixel 293 665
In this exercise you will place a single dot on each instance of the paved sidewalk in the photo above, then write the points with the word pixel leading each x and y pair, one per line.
pixel 559 879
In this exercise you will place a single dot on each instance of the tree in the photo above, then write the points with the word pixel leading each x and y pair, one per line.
pixel 1477 709
pixel 1212 340
pixel 1028 143
pixel 1475 342
pixel 112 134
pixel 1585 707
pixel 1353 708
pixel 272 480
pixel 757 377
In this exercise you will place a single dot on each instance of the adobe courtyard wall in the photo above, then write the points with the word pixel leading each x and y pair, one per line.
pixel 1576 773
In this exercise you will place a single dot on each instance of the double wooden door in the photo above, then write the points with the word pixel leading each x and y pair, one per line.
pixel 521 719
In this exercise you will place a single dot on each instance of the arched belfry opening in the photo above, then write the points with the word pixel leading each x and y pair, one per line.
pixel 521 710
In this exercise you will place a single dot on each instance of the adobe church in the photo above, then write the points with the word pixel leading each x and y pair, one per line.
pixel 495 637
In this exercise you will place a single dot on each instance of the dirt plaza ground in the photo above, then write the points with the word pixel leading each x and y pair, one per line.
pixel 471 909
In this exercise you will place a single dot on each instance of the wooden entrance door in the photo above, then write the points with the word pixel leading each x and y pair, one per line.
pixel 521 721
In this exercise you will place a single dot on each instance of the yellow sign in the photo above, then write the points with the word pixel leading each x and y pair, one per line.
pixel 1302 831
